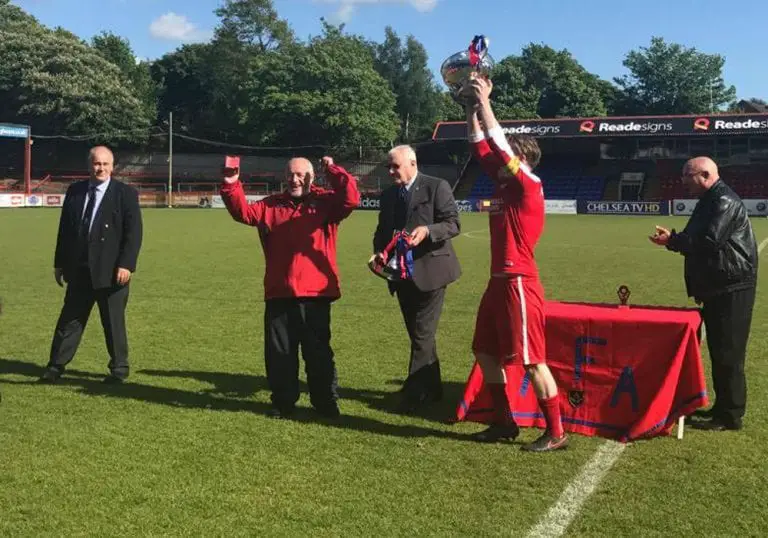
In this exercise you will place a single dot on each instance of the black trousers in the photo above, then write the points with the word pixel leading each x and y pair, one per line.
pixel 78 303
pixel 727 319
pixel 288 324
pixel 421 312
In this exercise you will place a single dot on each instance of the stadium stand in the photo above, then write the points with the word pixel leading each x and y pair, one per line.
pixel 562 180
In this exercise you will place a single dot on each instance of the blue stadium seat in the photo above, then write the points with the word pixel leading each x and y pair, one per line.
pixel 566 185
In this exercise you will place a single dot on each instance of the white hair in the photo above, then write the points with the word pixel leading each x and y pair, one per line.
pixel 404 149
pixel 303 160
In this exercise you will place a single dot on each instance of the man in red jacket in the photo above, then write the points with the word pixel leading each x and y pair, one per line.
pixel 298 230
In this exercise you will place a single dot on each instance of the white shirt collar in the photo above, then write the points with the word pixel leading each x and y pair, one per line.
pixel 410 183
pixel 101 186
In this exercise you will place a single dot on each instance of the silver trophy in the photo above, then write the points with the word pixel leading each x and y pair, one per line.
pixel 462 66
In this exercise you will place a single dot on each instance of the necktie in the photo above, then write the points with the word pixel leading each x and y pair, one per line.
pixel 401 208
pixel 85 224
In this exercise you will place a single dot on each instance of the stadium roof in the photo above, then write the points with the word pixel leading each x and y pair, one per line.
pixel 609 127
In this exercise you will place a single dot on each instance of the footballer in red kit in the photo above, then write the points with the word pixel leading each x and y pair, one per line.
pixel 510 319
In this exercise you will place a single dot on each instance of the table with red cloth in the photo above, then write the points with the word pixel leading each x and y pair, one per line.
pixel 623 372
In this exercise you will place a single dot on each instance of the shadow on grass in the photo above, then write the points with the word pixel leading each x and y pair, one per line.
pixel 229 393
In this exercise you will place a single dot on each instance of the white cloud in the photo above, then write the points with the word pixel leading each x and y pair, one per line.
pixel 343 14
pixel 175 27
pixel 348 7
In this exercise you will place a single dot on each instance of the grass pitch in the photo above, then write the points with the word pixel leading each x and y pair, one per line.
pixel 185 447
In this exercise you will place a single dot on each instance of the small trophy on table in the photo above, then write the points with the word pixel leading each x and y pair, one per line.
pixel 623 293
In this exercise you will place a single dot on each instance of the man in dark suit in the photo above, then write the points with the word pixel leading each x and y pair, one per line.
pixel 424 207
pixel 100 232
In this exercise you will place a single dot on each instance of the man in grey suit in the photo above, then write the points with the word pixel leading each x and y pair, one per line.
pixel 424 207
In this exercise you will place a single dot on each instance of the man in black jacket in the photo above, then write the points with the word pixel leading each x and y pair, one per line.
pixel 100 233
pixel 424 207
pixel 721 274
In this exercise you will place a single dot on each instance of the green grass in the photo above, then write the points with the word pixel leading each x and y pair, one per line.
pixel 185 448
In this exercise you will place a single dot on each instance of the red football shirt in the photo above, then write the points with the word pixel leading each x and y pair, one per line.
pixel 517 209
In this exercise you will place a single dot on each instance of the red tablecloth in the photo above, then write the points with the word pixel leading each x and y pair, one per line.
pixel 622 373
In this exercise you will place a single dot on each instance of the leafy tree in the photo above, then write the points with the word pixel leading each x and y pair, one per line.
pixel 118 50
pixel 565 87
pixel 184 81
pixel 513 98
pixel 254 23
pixel 326 94
pixel 667 78
pixel 404 67
pixel 59 85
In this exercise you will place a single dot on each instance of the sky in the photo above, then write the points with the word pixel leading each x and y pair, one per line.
pixel 599 33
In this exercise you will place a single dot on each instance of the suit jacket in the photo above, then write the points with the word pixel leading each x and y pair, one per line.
pixel 431 204
pixel 115 237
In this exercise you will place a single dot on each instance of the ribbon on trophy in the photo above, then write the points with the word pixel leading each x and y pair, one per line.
pixel 478 49
pixel 398 256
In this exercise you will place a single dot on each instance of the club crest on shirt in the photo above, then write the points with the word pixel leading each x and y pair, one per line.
pixel 576 398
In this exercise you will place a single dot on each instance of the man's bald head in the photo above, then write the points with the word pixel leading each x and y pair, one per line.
pixel 299 176
pixel 699 174
pixel 101 162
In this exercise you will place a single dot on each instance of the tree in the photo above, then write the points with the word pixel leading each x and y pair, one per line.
pixel 405 69
pixel 253 23
pixel 449 110
pixel 546 83
pixel 327 93
pixel 513 97
pixel 183 78
pixel 59 85
pixel 566 89
pixel 118 51
pixel 667 78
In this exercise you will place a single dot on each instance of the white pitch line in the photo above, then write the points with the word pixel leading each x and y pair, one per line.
pixel 578 491
pixel 568 505
pixel 471 233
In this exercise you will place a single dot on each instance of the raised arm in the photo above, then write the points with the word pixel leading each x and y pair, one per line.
pixel 510 164
pixel 345 197
pixel 233 195
pixel 489 162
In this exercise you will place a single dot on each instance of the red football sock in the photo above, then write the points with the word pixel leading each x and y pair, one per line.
pixel 551 409
pixel 502 412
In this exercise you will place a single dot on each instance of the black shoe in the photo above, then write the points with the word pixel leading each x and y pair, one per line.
pixel 330 411
pixel 497 432
pixel 280 412
pixel 547 443
pixel 412 402
pixel 113 380
pixel 705 413
pixel 718 425
pixel 50 376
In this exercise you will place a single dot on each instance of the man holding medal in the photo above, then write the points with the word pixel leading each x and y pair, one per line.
pixel 419 212
pixel 298 230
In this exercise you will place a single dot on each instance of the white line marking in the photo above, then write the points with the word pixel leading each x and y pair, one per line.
pixel 567 507
pixel 471 233
pixel 578 491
